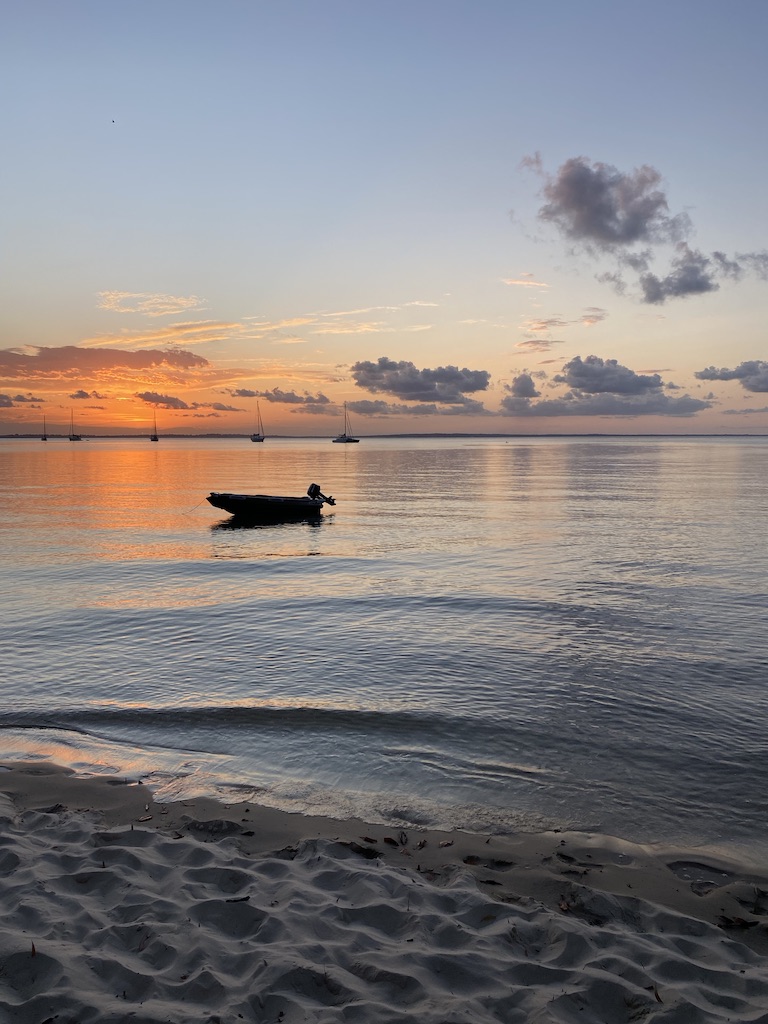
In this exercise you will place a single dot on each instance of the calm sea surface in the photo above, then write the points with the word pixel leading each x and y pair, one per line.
pixel 484 633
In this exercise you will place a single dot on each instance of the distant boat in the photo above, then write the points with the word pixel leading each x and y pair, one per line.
pixel 259 435
pixel 45 432
pixel 72 435
pixel 153 436
pixel 346 436
pixel 270 507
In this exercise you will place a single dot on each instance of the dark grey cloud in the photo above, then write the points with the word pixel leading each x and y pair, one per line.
pixel 594 375
pixel 598 387
pixel 692 273
pixel 744 412
pixel 171 402
pixel 88 394
pixel 446 385
pixel 6 402
pixel 595 204
pixel 752 374
pixel 626 216
pixel 605 405
pixel 27 398
pixel 291 398
pixel 163 401
pixel 523 387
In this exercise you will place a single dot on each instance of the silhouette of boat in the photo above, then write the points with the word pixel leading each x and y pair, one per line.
pixel 72 435
pixel 153 436
pixel 346 436
pixel 261 507
pixel 259 435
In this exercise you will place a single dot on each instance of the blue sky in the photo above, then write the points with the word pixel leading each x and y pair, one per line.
pixel 455 217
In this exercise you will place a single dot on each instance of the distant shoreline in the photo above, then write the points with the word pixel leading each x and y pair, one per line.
pixel 365 437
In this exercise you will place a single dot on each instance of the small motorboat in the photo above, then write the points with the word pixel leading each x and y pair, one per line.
pixel 271 506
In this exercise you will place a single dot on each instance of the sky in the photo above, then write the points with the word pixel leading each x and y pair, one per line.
pixel 454 217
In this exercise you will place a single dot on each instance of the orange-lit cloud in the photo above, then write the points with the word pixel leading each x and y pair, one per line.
pixel 147 303
pixel 195 332
pixel 70 362
pixel 524 282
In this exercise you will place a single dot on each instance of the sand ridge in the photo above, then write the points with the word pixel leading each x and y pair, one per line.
pixel 116 908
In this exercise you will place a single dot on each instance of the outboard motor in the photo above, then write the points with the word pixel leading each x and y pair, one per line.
pixel 313 491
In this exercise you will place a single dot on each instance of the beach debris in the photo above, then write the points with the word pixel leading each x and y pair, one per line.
pixel 238 899
pixel 362 851
pixel 390 841
pixel 403 837
pixel 145 817
pixel 445 843
pixel 367 839
pixel 421 844
pixel 34 951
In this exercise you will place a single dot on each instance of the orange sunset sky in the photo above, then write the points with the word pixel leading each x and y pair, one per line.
pixel 453 217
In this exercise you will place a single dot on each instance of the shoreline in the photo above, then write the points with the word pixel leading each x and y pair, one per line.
pixel 101 883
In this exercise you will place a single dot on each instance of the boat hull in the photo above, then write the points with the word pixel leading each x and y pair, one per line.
pixel 265 506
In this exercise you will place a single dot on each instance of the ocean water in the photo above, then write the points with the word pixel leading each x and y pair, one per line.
pixel 486 633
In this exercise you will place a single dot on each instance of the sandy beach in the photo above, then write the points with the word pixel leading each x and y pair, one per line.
pixel 117 908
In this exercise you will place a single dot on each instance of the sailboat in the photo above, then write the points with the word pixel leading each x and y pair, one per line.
pixel 153 436
pixel 346 436
pixel 72 435
pixel 259 435
pixel 45 432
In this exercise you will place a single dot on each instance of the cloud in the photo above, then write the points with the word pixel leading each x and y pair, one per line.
pixel 27 398
pixel 193 332
pixel 626 216
pixel 524 282
pixel 6 402
pixel 545 324
pixel 446 384
pixel 283 397
pixel 538 344
pixel 594 204
pixel 379 408
pixel 598 387
pixel 147 303
pixel 692 274
pixel 593 315
pixel 594 375
pixel 744 412
pixel 70 362
pixel 171 402
pixel 752 375
pixel 162 401
pixel 523 387
pixel 370 327
pixel 80 394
